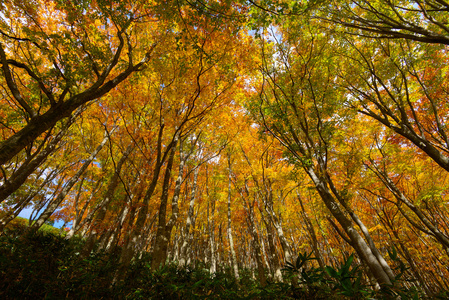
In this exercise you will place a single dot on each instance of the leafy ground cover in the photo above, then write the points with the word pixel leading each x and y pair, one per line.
pixel 44 265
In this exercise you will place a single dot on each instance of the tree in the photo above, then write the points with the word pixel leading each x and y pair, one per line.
pixel 402 87
pixel 423 21
pixel 48 74
pixel 299 106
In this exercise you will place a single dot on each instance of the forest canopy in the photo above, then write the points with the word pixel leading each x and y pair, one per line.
pixel 235 135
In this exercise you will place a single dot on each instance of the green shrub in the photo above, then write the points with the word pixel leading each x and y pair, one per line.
pixel 43 265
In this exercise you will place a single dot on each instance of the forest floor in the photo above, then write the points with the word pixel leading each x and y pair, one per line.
pixel 44 265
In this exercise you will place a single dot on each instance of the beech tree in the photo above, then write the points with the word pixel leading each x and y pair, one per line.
pixel 48 74
pixel 298 106
pixel 423 21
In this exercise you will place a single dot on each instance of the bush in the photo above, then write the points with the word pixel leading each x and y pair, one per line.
pixel 43 265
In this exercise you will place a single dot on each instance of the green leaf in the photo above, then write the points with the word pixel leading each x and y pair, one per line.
pixel 331 271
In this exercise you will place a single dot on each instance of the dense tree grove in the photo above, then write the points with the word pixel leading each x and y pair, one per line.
pixel 298 143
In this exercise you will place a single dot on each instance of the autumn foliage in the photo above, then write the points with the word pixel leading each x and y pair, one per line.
pixel 300 146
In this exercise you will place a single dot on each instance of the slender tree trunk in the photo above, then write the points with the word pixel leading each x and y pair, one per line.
pixel 280 232
pixel 257 248
pixel 159 254
pixel 275 220
pixel 371 244
pixel 211 222
pixel 273 257
pixel 230 237
pixel 262 246
pixel 359 244
pixel 249 208
pixel 183 257
pixel 175 256
pixel 220 255
pixel 406 254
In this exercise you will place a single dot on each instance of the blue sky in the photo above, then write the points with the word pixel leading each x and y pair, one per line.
pixel 25 213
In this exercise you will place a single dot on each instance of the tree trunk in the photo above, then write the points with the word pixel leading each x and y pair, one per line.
pixel 183 257
pixel 211 227
pixel 359 244
pixel 274 219
pixel 256 246
pixel 230 237
pixel 273 259
pixel 159 254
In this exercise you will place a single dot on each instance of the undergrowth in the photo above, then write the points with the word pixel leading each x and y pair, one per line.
pixel 44 265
